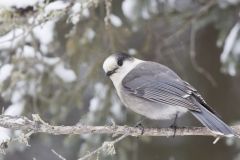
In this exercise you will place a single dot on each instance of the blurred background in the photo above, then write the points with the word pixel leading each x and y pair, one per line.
pixel 51 55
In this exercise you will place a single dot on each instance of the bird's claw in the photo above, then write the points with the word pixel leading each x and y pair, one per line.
pixel 141 127
pixel 174 127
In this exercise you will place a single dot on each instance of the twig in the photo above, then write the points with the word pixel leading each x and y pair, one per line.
pixel 194 61
pixel 190 23
pixel 108 6
pixel 58 155
pixel 190 20
pixel 103 147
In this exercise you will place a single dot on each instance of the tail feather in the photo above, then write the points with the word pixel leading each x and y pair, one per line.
pixel 212 122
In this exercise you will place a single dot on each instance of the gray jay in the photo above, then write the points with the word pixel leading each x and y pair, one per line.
pixel 156 92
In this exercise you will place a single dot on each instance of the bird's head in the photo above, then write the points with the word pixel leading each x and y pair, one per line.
pixel 116 66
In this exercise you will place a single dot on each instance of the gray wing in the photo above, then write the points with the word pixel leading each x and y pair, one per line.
pixel 157 83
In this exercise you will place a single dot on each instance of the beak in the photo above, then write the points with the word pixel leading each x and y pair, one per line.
pixel 109 73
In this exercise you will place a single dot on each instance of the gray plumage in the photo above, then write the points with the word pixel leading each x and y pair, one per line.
pixel 166 88
pixel 155 91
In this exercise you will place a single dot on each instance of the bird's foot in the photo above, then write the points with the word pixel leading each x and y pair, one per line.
pixel 174 127
pixel 140 126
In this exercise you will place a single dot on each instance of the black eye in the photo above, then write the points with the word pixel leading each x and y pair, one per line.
pixel 120 62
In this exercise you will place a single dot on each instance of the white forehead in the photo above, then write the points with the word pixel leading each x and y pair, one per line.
pixel 110 63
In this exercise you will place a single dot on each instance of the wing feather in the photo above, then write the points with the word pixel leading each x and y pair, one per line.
pixel 160 91
pixel 158 83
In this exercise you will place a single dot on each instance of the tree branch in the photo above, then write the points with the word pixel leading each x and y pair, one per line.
pixel 39 126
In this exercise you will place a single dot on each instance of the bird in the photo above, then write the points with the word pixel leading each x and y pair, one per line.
pixel 158 93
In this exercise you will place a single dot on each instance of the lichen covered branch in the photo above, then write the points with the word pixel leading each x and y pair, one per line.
pixel 38 126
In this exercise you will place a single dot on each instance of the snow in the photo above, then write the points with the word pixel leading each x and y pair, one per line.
pixel 154 6
pixel 67 75
pixel 15 109
pixel 77 10
pixel 19 92
pixel 26 51
pixel 85 12
pixel 18 3
pixel 81 8
pixel 236 48
pixel 32 88
pixel 132 10
pixel 229 42
pixel 40 67
pixel 29 52
pixel 11 38
pixel 132 51
pixel 100 93
pixel 5 72
pixel 44 33
pixel 75 16
pixel 56 5
pixel 50 60
pixel 233 2
pixel 4 135
pixel 101 90
pixel 115 20
pixel 171 4
pixel 116 108
pixel 145 13
pixel 90 34
pixel 232 69
pixel 128 8
pixel 94 104
pixel 225 3
pixel 231 50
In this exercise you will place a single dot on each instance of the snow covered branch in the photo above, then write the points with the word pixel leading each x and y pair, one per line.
pixel 37 125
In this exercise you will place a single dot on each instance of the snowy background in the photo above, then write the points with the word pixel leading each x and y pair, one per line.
pixel 51 55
